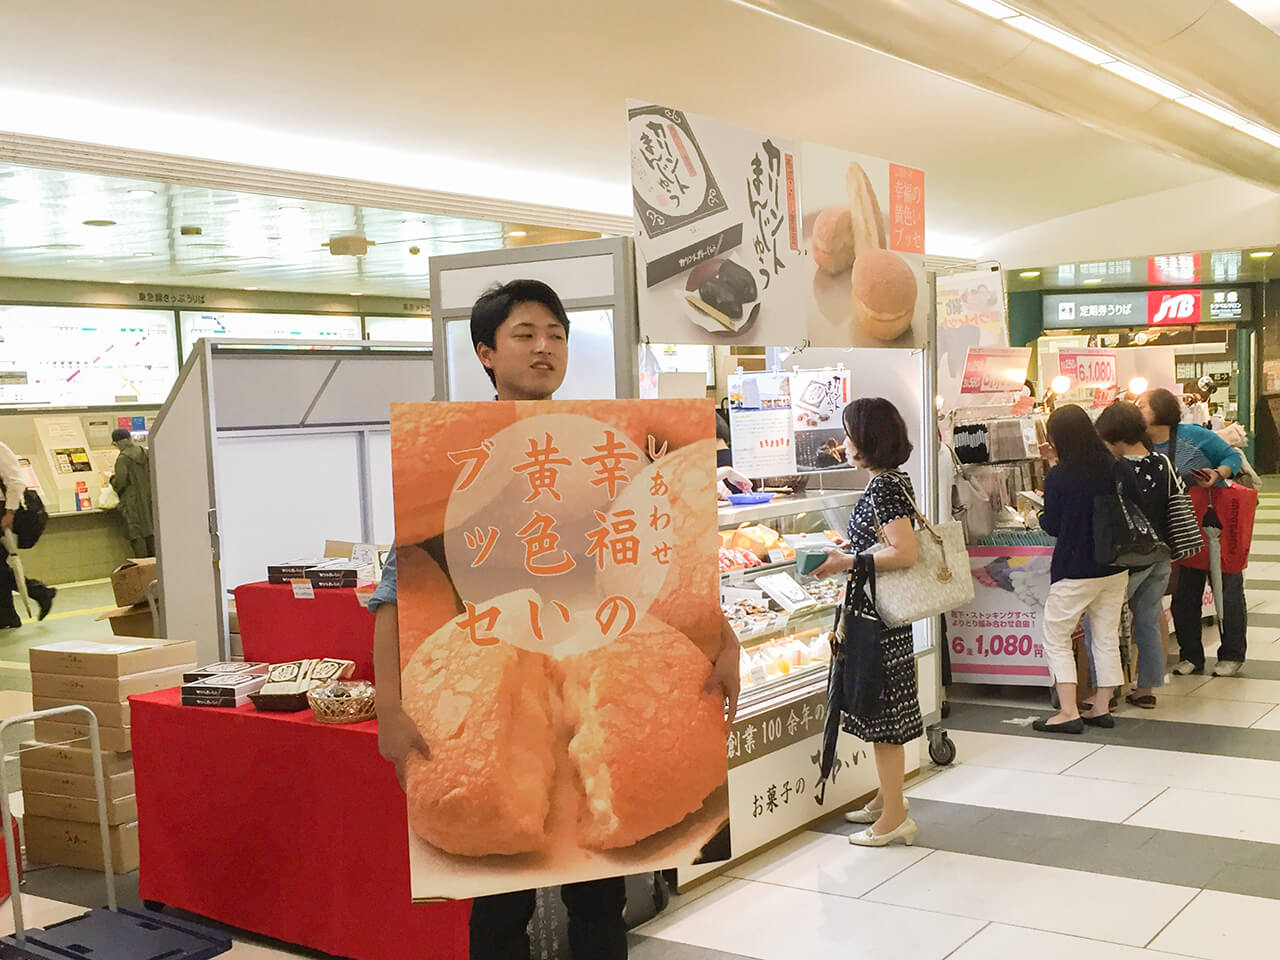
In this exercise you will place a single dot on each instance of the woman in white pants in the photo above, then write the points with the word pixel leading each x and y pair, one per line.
pixel 1079 584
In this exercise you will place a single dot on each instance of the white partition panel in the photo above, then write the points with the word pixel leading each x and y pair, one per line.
pixel 261 391
pixel 180 471
pixel 574 278
pixel 281 496
pixel 378 454
pixel 362 389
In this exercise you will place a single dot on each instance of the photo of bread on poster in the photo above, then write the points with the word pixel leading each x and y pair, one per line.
pixel 863 228
pixel 558 616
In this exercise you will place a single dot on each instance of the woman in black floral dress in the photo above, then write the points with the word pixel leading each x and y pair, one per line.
pixel 876 438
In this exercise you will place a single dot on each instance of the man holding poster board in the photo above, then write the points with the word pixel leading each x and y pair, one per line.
pixel 501 731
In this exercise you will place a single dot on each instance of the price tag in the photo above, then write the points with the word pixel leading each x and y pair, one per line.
pixel 777 556
pixel 303 590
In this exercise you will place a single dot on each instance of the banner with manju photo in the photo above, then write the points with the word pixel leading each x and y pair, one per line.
pixel 558 617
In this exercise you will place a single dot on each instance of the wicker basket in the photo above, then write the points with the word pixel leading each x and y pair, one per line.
pixel 798 483
pixel 356 707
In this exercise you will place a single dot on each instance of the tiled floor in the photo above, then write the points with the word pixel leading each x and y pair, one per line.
pixel 1156 840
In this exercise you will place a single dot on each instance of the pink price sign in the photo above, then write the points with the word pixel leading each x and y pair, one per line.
pixel 995 369
pixel 999 636
pixel 1088 369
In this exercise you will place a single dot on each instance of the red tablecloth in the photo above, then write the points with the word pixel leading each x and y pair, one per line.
pixel 276 628
pixel 280 825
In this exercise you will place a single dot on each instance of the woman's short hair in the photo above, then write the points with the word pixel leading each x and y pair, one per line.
pixel 878 432
pixel 1165 408
pixel 1122 422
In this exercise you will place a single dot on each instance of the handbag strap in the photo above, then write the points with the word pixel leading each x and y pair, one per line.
pixel 1176 486
pixel 924 521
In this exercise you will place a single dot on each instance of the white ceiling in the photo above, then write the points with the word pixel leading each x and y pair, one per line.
pixel 1266 12
pixel 245 239
pixel 526 100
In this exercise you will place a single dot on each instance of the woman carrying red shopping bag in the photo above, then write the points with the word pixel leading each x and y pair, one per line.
pixel 1206 462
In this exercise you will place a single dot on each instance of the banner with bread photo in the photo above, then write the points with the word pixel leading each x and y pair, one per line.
pixel 558 614
pixel 744 237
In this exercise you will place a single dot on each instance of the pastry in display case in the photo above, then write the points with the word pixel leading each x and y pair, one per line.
pixel 783 617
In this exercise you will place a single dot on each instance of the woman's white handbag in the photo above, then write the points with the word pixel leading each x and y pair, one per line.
pixel 938 582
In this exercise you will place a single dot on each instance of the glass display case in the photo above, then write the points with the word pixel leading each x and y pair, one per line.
pixel 783 618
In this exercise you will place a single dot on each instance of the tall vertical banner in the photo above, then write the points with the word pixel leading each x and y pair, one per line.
pixel 999 637
pixel 558 620
pixel 745 237
pixel 972 315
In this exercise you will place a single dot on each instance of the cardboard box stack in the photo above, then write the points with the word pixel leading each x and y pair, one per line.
pixel 62 818
pixel 132 615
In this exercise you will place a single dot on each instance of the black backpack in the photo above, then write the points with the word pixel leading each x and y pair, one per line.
pixel 29 520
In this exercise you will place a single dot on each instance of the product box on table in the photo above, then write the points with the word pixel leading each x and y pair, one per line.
pixel 86 658
pixel 78 784
pixel 71 759
pixel 134 621
pixel 290 570
pixel 115 739
pixel 225 668
pixel 223 691
pixel 80 809
pixel 339 573
pixel 130 580
pixel 287 683
pixel 107 689
pixel 72 844
pixel 108 714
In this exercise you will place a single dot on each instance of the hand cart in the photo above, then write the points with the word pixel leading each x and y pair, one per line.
pixel 109 933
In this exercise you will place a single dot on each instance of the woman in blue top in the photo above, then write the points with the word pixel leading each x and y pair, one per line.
pixel 1078 583
pixel 1205 459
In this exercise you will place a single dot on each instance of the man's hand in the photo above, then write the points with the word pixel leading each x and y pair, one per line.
pixel 733 477
pixel 724 673
pixel 6 520
pixel 398 737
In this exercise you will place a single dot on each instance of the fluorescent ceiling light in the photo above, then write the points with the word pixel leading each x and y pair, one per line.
pixel 1092 280
pixel 1029 274
pixel 1262 254
pixel 128 281
pixel 518 233
pixel 142 193
pixel 990 8
pixel 1261 133
pixel 1143 79
pixel 251 288
pixel 1059 39
pixel 1213 111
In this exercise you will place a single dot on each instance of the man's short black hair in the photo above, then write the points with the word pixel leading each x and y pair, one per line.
pixel 495 305
pixel 119 433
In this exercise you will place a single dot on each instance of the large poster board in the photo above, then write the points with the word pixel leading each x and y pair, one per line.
pixel 752 238
pixel 83 356
pixel 999 637
pixel 558 620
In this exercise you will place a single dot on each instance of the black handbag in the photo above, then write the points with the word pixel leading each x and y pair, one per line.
pixel 1122 534
pixel 858 636
pixel 29 520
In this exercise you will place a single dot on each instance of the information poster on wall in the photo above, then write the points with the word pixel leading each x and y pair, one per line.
pixel 742 233
pixel 971 316
pixel 760 424
pixel 82 356
pixel 999 637
pixel 819 399
pixel 562 695
pixel 265 326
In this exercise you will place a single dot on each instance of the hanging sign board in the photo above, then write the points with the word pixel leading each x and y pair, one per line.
pixel 1088 369
pixel 745 237
pixel 994 370
pixel 971 315
pixel 760 424
pixel 818 401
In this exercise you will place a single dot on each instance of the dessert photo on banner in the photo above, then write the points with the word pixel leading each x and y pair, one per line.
pixel 756 238
pixel 558 618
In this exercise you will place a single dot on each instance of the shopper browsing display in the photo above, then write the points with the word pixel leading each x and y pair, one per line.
pixel 1124 429
pixel 1204 459
pixel 1085 470
pixel 876 438
pixel 520 335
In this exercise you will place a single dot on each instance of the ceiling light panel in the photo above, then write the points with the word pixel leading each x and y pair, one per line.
pixel 1213 111
pixel 1063 41
pixel 1153 83
pixel 991 8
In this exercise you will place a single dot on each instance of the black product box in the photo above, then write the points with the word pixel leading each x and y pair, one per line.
pixel 222 691
pixel 334 573
pixel 289 570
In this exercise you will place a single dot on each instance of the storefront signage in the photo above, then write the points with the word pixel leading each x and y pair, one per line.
pixel 1173 307
pixel 747 237
pixel 995 370
pixel 575 535
pixel 1067 311
pixel 999 637
pixel 1088 369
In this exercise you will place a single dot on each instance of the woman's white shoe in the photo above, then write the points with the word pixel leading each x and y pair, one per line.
pixel 867 838
pixel 868 815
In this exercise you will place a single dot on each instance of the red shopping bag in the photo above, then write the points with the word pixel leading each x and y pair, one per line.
pixel 1236 506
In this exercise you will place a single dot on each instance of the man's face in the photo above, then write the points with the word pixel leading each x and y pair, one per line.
pixel 530 353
